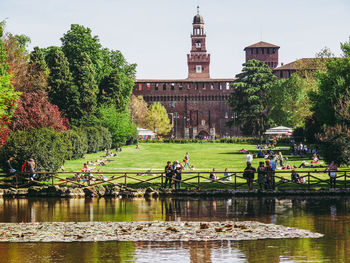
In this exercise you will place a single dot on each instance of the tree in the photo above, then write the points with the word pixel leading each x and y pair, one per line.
pixel 138 109
pixel 116 88
pixel 63 92
pixel 34 111
pixel 251 96
pixel 157 119
pixel 333 91
pixel 39 71
pixel 77 41
pixel 84 79
pixel 290 105
pixel 118 123
pixel 8 96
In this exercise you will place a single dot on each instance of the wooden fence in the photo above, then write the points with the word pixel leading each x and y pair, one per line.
pixel 190 180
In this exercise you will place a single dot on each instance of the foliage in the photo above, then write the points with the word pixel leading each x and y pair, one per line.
pixel 116 89
pixel 94 139
pixel 251 96
pixel 335 145
pixel 331 102
pixel 78 142
pixel 77 41
pixel 63 92
pixel 118 123
pixel 39 69
pixel 84 79
pixel 47 147
pixel 138 109
pixel 8 95
pixel 34 111
pixel 157 119
pixel 289 103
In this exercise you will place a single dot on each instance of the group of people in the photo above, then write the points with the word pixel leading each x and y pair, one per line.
pixel 173 174
pixel 27 168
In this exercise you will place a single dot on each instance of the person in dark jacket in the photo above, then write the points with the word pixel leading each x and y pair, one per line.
pixel 168 174
pixel 248 174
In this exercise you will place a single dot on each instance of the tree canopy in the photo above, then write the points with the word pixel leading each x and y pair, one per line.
pixel 250 98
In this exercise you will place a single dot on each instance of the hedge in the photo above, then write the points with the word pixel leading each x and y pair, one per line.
pixel 46 146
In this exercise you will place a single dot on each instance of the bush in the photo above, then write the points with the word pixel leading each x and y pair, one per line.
pixel 47 147
pixel 336 148
pixel 78 141
pixel 106 137
pixel 94 139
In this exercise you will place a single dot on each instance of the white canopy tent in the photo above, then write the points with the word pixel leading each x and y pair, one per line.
pixel 144 133
pixel 280 130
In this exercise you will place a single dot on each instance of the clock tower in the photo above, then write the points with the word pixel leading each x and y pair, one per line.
pixel 198 60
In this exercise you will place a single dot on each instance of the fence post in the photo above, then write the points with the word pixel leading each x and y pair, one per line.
pixel 308 180
pixel 16 181
pixel 162 180
pixel 52 183
pixel 125 179
pixel 345 179
pixel 235 181
pixel 198 181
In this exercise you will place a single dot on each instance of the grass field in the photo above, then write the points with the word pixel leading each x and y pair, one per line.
pixel 203 156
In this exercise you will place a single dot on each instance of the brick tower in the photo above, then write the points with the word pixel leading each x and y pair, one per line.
pixel 198 60
pixel 264 52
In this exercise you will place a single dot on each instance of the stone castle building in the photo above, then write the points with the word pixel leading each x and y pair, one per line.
pixel 197 105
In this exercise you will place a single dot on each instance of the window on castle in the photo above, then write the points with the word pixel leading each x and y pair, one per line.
pixel 148 86
pixel 257 51
pixel 140 86
pixel 262 50
pixel 220 87
pixel 251 51
pixel 164 86
pixel 281 74
pixel 180 87
pixel 172 87
pixel 211 86
pixel 227 85
pixel 268 51
pixel 156 87
pixel 273 50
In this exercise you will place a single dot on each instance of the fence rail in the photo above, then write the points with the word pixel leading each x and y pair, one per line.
pixel 190 180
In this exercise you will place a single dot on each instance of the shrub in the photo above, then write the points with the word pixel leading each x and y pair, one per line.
pixel 106 137
pixel 78 140
pixel 94 140
pixel 48 148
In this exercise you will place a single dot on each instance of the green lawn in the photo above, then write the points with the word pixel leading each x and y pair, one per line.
pixel 203 156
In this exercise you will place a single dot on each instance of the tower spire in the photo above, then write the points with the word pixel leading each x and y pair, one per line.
pixel 198 9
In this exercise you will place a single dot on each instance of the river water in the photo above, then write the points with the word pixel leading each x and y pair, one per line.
pixel 329 216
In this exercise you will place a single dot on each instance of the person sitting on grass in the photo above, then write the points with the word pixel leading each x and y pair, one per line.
pixel 227 175
pixel 212 176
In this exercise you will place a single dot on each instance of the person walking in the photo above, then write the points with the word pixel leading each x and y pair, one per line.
pixel 168 174
pixel 9 167
pixel 187 160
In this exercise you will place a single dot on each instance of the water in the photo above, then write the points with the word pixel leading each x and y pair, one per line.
pixel 329 216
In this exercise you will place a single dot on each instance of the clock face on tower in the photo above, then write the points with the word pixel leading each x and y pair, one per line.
pixel 198 44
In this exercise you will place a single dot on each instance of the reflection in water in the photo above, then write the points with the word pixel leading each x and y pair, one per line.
pixel 328 216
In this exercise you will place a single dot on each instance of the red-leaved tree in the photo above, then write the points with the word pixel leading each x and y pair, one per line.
pixel 35 111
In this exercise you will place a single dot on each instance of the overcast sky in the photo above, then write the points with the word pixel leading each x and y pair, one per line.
pixel 155 34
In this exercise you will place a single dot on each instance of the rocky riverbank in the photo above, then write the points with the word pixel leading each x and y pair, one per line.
pixel 122 191
pixel 146 231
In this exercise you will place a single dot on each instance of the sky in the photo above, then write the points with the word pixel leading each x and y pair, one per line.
pixel 155 34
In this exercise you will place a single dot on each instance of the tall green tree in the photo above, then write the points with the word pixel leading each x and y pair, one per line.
pixel 84 79
pixel 116 88
pixel 331 101
pixel 77 41
pixel 251 96
pixel 157 119
pixel 8 95
pixel 63 92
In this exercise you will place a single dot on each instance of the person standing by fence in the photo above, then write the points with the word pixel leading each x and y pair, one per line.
pixel 168 174
pixel 332 171
pixel 248 174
